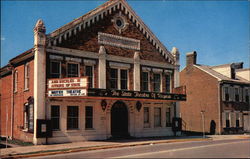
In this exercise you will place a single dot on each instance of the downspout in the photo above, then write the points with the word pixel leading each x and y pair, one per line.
pixel 219 106
pixel 12 103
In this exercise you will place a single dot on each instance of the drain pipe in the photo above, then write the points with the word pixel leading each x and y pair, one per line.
pixel 12 102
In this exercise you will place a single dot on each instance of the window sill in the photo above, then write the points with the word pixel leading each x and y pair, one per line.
pixel 89 129
pixel 72 130
pixel 26 90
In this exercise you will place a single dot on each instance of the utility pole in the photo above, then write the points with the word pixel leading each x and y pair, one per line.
pixel 203 122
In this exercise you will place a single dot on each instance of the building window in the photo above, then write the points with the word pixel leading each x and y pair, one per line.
pixel 236 93
pixel 246 96
pixel 88 117
pixel 15 80
pixel 124 79
pixel 146 117
pixel 168 118
pixel 72 117
pixel 89 73
pixel 157 117
pixel 113 78
pixel 226 93
pixel 73 70
pixel 237 120
pixel 157 82
pixel 145 81
pixel 26 76
pixel 29 117
pixel 168 83
pixel 227 120
pixel 55 117
pixel 55 69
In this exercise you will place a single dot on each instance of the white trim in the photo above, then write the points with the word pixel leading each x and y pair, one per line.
pixel 73 59
pixel 119 65
pixel 55 57
pixel 105 7
pixel 89 62
pixel 94 55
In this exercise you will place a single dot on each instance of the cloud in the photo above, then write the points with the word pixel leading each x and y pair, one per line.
pixel 2 38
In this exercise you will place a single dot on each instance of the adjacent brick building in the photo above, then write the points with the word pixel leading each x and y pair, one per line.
pixel 220 94
pixel 103 75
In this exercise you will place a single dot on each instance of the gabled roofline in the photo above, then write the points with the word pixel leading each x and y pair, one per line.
pixel 219 79
pixel 98 13
pixel 23 56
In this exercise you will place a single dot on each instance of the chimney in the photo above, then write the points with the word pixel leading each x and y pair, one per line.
pixel 235 66
pixel 191 58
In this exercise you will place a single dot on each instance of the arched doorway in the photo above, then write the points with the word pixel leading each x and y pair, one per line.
pixel 119 120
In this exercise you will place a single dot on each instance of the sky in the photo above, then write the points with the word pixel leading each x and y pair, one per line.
pixel 217 30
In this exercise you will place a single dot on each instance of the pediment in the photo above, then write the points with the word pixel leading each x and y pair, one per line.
pixel 94 17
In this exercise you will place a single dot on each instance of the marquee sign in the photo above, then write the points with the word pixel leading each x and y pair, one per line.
pixel 67 93
pixel 67 83
pixel 67 87
pixel 134 94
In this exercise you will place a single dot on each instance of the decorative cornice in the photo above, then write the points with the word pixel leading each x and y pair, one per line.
pixel 95 15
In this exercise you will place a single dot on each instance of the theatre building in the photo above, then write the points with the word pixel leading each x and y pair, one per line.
pixel 102 75
pixel 217 97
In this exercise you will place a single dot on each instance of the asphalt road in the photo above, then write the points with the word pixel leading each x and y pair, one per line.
pixel 239 148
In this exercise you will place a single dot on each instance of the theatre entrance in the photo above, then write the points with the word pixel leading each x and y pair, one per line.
pixel 119 120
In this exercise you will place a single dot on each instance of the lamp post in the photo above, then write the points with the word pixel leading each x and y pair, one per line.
pixel 203 122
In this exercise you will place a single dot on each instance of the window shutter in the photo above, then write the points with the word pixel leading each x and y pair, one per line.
pixel 240 119
pixel 223 116
pixel 231 93
pixel 240 94
pixel 232 119
pixel 223 93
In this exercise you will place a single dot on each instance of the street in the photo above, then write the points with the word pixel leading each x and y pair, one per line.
pixel 237 148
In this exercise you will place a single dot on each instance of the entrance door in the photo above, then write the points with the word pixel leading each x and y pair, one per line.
pixel 246 126
pixel 119 120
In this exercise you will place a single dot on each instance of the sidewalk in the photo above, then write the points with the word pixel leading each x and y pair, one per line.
pixel 40 150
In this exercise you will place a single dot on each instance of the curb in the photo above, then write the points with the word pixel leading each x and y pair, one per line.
pixel 62 151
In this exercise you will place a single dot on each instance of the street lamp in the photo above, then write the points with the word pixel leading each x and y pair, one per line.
pixel 203 122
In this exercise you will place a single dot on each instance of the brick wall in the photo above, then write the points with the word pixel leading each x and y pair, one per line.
pixel 87 40
pixel 5 106
pixel 202 94
pixel 20 98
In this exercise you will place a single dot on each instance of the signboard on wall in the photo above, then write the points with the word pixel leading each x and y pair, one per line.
pixel 67 87
pixel 67 83
pixel 67 93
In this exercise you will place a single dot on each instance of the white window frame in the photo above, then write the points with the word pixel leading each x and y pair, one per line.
pixel 15 81
pixel 119 77
pixel 26 76
pixel 93 74
pixel 146 125
pixel 93 115
pixel 73 63
pixel 60 114
pixel 148 81
pixel 160 117
pixel 60 67
pixel 170 74
pixel 160 81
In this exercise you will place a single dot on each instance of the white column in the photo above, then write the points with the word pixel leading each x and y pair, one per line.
pixel 137 74
pixel 102 68
pixel 39 77
pixel 176 54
